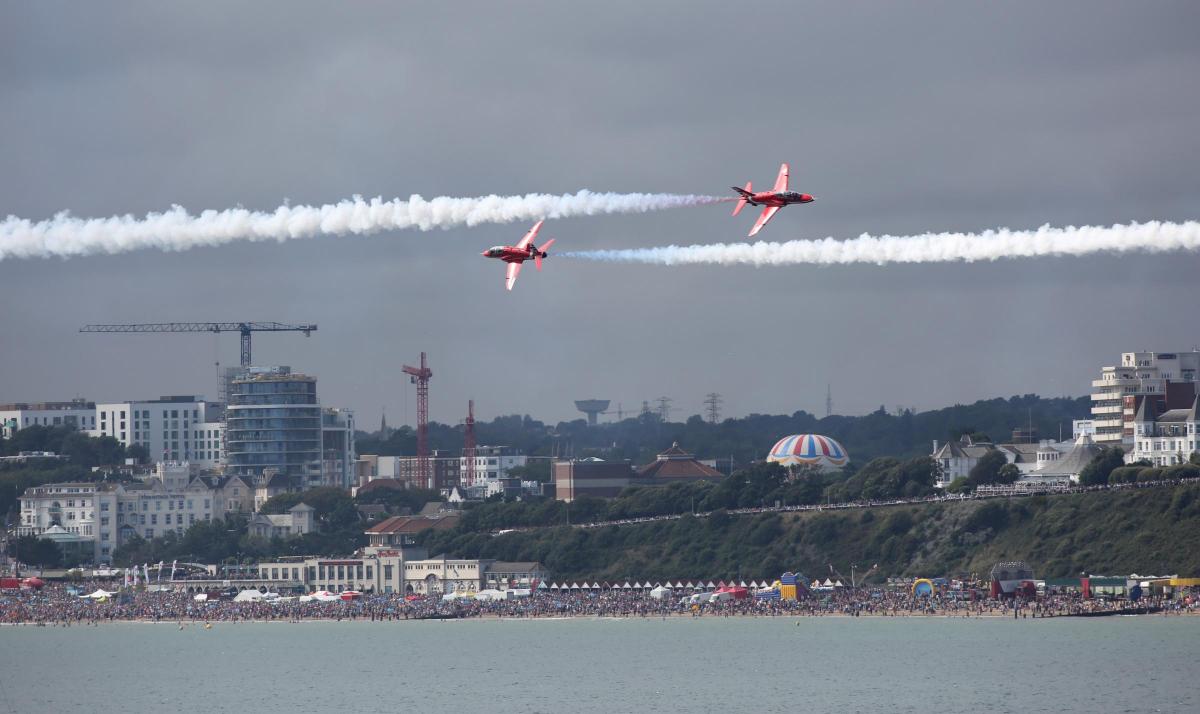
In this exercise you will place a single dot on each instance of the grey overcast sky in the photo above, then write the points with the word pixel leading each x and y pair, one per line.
pixel 899 117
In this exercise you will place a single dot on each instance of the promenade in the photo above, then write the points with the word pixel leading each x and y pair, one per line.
pixel 983 493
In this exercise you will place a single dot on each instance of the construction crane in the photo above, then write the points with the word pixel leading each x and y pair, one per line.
pixel 469 443
pixel 243 327
pixel 420 377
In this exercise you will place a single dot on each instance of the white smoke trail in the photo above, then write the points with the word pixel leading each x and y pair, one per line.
pixel 1152 237
pixel 176 229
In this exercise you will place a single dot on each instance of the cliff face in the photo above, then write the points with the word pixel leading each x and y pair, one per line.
pixel 1152 530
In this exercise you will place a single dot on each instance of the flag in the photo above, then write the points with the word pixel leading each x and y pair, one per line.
pixel 145 573
pixel 173 562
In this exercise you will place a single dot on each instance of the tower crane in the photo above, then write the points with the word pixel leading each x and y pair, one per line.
pixel 420 377
pixel 245 328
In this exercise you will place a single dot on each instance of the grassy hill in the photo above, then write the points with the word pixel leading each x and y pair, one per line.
pixel 1147 531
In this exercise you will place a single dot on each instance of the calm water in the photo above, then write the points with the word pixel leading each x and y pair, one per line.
pixel 708 665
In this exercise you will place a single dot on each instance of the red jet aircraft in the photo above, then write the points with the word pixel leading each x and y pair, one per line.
pixel 516 255
pixel 774 199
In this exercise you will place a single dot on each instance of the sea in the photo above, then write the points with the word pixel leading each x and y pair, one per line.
pixel 820 664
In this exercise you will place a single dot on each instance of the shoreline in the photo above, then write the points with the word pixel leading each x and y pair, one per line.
pixel 797 618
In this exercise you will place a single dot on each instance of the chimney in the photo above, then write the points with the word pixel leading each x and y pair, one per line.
pixel 935 446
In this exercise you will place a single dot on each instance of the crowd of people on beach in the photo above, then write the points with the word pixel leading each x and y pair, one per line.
pixel 62 605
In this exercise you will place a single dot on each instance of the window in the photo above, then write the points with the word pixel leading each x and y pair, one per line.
pixel 153 519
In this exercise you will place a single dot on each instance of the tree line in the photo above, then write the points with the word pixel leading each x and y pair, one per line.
pixel 900 433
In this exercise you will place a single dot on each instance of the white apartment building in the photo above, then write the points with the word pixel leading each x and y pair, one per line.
pixel 492 464
pixel 1166 440
pixel 109 514
pixel 78 413
pixel 172 428
pixel 1138 374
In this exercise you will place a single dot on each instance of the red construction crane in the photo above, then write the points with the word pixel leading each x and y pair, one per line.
pixel 469 444
pixel 420 377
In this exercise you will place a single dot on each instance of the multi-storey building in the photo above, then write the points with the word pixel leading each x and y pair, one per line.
pixel 1171 375
pixel 273 421
pixel 1167 438
pixel 78 413
pixel 109 514
pixel 171 428
pixel 337 447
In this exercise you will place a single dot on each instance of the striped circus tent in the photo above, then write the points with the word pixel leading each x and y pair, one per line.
pixel 808 450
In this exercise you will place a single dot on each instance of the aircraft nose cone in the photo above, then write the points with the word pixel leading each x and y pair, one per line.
pixel 806 198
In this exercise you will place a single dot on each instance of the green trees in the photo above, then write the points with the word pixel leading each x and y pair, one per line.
pixel 885 478
pixel 881 433
pixel 1101 467
pixel 32 550
pixel 986 471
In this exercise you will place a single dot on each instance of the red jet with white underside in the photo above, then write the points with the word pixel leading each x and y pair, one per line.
pixel 774 199
pixel 516 255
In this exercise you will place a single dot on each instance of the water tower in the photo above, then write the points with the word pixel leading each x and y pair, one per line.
pixel 591 407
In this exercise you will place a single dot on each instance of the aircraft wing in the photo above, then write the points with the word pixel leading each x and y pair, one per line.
pixel 766 215
pixel 514 269
pixel 782 180
pixel 524 244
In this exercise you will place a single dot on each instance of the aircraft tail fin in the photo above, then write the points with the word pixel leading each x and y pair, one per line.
pixel 745 193
pixel 537 259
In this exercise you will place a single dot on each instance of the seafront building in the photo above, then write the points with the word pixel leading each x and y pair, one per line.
pixel 1168 379
pixel 1167 438
pixel 955 459
pixel 103 516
